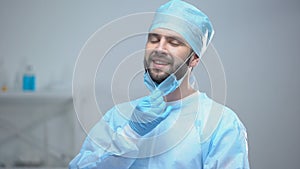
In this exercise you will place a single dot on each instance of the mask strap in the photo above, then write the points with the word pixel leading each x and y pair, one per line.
pixel 189 56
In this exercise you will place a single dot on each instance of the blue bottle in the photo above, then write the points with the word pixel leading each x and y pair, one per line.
pixel 29 79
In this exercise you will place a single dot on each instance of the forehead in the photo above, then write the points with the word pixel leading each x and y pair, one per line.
pixel 167 33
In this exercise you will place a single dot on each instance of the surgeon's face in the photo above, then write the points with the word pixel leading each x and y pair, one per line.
pixel 166 51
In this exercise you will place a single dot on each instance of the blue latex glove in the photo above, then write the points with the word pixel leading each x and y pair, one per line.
pixel 149 113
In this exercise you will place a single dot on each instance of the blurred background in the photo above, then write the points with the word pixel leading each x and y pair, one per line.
pixel 257 41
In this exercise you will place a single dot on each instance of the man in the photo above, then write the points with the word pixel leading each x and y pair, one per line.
pixel 175 126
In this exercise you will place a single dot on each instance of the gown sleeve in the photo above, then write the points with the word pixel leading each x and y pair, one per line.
pixel 228 148
pixel 106 146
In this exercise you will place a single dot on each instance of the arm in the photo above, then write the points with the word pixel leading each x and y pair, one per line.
pixel 227 148
pixel 106 148
pixel 113 140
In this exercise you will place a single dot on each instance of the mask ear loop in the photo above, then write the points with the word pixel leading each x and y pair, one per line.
pixel 184 62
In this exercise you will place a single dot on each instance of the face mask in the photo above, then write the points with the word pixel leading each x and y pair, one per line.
pixel 169 85
pixel 166 87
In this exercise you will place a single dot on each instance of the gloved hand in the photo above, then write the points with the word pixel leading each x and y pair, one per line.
pixel 149 113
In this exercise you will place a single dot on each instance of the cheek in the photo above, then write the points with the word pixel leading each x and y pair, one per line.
pixel 180 52
pixel 146 58
pixel 148 49
pixel 183 54
pixel 179 58
pixel 149 46
pixel 146 55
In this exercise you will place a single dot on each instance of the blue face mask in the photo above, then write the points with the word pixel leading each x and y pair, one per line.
pixel 166 87
pixel 169 85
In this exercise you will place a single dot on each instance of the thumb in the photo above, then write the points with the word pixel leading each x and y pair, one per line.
pixel 166 113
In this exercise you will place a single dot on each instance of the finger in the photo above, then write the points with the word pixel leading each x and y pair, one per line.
pixel 158 109
pixel 156 102
pixel 162 105
pixel 155 94
pixel 166 112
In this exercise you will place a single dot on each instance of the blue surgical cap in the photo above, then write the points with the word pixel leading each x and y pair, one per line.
pixel 188 21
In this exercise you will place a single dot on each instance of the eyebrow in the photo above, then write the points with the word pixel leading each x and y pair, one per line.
pixel 169 37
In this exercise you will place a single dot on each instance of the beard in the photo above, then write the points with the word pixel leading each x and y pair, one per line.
pixel 178 66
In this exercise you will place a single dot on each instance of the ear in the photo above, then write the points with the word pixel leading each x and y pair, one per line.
pixel 194 60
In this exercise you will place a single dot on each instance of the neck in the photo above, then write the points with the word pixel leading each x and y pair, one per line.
pixel 181 92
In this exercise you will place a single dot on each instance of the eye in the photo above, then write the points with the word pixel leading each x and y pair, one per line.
pixel 152 38
pixel 175 42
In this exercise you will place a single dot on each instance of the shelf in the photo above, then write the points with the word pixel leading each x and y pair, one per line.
pixel 34 97
pixel 33 121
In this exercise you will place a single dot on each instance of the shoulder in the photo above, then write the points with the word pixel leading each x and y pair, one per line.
pixel 218 120
pixel 230 122
pixel 227 145
pixel 229 129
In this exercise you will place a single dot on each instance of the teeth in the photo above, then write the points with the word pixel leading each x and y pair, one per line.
pixel 160 62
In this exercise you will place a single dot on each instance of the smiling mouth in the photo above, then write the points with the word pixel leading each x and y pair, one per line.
pixel 158 62
pixel 159 65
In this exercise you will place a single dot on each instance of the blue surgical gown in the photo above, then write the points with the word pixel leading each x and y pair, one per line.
pixel 208 144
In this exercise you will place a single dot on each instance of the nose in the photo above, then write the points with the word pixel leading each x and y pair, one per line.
pixel 161 46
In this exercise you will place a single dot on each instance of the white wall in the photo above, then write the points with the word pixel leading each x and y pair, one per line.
pixel 257 42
